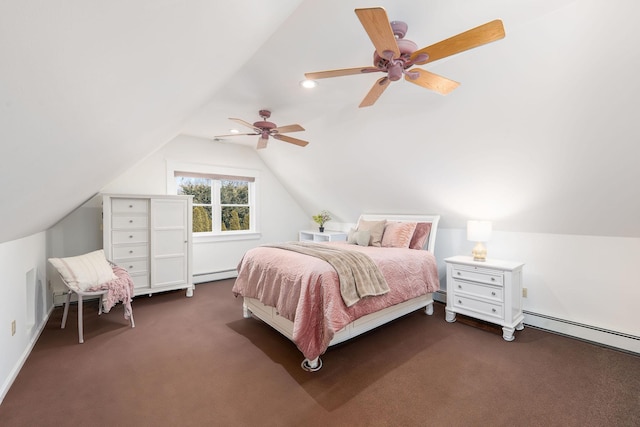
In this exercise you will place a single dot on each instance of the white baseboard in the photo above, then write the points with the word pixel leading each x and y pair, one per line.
pixel 215 275
pixel 23 358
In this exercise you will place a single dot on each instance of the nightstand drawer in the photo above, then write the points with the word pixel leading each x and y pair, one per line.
pixel 473 288
pixel 478 306
pixel 477 274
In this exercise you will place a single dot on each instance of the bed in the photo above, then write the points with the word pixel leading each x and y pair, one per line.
pixel 303 296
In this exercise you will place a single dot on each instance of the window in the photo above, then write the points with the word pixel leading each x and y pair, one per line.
pixel 223 199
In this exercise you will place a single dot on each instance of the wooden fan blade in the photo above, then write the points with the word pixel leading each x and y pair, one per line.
pixel 291 140
pixel 486 33
pixel 247 124
pixel 289 128
pixel 428 80
pixel 375 92
pixel 262 143
pixel 235 134
pixel 376 24
pixel 338 73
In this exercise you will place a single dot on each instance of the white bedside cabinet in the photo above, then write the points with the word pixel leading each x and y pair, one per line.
pixel 490 290
pixel 325 236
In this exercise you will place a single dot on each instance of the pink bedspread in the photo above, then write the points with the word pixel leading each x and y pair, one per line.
pixel 306 289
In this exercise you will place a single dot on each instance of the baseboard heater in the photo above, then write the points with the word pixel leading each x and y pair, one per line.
pixel 215 275
pixel 593 334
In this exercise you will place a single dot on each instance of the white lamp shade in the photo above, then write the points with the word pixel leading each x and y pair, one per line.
pixel 479 231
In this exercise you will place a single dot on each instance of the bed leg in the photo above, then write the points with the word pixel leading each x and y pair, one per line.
pixel 246 313
pixel 429 309
pixel 311 365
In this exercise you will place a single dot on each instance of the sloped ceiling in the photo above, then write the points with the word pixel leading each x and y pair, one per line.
pixel 541 135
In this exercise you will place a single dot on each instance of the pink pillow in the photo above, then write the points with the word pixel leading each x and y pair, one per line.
pixel 398 234
pixel 420 236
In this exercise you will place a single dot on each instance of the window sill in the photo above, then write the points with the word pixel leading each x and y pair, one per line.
pixel 227 237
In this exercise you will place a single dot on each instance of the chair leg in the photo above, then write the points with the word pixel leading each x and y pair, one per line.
pixel 133 325
pixel 80 333
pixel 66 310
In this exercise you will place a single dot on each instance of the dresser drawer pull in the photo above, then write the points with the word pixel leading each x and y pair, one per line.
pixel 458 273
pixel 493 294
pixel 493 309
pixel 131 266
pixel 459 302
pixel 459 286
pixel 131 236
pixel 130 221
pixel 130 252
pixel 131 206
pixel 493 279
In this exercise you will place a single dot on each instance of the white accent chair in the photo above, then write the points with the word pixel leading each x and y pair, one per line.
pixel 81 295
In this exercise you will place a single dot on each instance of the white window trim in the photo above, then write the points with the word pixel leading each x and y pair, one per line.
pixel 173 166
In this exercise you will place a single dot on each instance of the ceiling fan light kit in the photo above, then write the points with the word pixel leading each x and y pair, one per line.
pixel 395 55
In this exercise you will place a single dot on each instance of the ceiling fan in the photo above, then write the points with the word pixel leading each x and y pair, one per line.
pixel 394 55
pixel 266 129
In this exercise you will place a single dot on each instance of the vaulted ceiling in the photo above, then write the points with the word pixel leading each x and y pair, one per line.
pixel 540 136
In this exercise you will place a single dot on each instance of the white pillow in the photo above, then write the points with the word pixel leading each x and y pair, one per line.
pixel 360 238
pixel 84 271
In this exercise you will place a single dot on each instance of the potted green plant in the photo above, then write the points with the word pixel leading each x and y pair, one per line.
pixel 321 219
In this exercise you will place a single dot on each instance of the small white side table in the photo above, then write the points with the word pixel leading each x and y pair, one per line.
pixel 490 290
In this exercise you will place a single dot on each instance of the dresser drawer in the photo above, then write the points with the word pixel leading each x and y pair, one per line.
pixel 133 267
pixel 129 205
pixel 129 221
pixel 482 307
pixel 130 251
pixel 133 236
pixel 478 289
pixel 477 274
pixel 140 281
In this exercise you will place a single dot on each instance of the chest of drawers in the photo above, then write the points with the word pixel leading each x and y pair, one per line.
pixel 490 290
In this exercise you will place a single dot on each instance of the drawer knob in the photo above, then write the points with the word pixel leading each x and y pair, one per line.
pixel 493 309
pixel 131 236
pixel 131 266
pixel 493 279
pixel 459 286
pixel 458 273
pixel 493 293
pixel 130 206
pixel 130 252
pixel 130 221
pixel 459 302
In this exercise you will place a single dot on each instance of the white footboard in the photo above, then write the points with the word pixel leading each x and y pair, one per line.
pixel 366 323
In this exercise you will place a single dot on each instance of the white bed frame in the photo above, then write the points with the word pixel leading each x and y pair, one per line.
pixel 270 315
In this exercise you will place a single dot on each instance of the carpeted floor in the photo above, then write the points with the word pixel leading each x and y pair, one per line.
pixel 198 362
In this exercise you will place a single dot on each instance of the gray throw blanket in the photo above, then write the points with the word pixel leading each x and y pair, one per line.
pixel 359 275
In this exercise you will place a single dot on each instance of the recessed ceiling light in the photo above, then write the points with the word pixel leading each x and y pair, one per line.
pixel 308 84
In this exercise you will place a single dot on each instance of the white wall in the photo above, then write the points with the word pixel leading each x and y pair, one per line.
pixel 280 215
pixel 25 300
pixel 589 280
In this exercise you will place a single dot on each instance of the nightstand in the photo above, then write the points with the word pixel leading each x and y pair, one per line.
pixel 325 236
pixel 490 290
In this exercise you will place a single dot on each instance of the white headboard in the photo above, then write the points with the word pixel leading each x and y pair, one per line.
pixel 433 219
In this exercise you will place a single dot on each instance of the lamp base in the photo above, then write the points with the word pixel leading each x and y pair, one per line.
pixel 479 252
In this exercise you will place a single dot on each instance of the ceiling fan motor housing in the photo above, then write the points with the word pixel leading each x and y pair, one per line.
pixel 395 66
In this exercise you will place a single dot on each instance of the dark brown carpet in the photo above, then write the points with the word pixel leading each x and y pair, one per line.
pixel 198 362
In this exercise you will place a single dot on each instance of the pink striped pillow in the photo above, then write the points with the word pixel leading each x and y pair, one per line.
pixel 398 234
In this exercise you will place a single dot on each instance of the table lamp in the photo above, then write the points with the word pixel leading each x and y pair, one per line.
pixel 479 232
